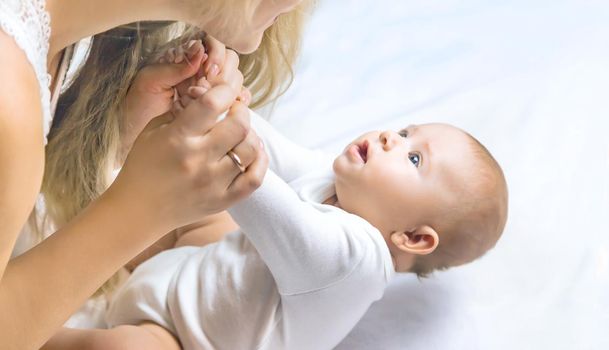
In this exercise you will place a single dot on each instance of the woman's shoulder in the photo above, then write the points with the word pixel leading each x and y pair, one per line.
pixel 26 24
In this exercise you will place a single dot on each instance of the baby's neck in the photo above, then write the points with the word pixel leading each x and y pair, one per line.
pixel 333 201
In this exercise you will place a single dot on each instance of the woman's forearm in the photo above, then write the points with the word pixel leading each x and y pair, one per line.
pixel 43 287
pixel 168 241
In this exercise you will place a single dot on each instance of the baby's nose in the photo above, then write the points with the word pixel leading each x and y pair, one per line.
pixel 388 140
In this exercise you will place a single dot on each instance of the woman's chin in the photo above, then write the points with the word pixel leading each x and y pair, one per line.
pixel 248 46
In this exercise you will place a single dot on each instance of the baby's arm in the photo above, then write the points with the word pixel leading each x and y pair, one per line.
pixel 304 248
pixel 287 159
pixel 329 266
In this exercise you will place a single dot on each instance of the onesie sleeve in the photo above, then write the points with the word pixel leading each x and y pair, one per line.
pixel 287 159
pixel 305 248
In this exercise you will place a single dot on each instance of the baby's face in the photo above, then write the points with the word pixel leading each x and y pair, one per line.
pixel 398 180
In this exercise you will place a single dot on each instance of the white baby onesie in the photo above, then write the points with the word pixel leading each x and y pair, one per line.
pixel 299 274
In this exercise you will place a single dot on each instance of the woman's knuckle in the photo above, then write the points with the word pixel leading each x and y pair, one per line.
pixel 241 113
pixel 203 179
pixel 187 166
pixel 241 130
pixel 210 103
pixel 252 148
pixel 254 181
pixel 173 143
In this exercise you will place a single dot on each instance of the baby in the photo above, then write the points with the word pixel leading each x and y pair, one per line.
pixel 318 243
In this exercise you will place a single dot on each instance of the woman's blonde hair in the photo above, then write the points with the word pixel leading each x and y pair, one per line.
pixel 84 138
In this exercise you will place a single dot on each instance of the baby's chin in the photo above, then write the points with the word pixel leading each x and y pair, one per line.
pixel 338 165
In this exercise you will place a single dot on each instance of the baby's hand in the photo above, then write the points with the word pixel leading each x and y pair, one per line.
pixel 206 78
pixel 184 52
pixel 231 75
pixel 200 87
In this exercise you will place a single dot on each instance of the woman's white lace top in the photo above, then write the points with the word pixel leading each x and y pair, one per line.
pixel 28 22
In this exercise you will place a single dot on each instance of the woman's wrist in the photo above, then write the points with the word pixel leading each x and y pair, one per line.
pixel 145 218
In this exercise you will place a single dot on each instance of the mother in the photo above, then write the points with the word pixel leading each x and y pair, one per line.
pixel 165 182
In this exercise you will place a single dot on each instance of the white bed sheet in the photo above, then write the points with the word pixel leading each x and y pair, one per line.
pixel 530 79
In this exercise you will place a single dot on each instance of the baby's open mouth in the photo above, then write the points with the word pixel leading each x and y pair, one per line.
pixel 363 150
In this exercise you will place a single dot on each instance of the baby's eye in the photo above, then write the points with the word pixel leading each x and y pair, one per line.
pixel 403 133
pixel 415 158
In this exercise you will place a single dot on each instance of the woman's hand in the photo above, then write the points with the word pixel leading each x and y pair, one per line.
pixel 153 89
pixel 178 170
pixel 156 86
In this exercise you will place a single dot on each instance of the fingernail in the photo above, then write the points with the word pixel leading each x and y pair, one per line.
pixel 170 55
pixel 196 91
pixel 203 83
pixel 261 144
pixel 191 44
pixel 193 49
pixel 213 71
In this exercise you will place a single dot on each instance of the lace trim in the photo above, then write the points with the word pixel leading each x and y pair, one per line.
pixel 28 22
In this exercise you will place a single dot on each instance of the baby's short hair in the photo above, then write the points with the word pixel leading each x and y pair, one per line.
pixel 474 224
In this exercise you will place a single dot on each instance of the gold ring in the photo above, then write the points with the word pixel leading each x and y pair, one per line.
pixel 235 158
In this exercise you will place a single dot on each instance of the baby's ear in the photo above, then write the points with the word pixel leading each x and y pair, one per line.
pixel 422 240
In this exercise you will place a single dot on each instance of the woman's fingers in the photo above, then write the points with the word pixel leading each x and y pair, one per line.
pixel 239 159
pixel 192 48
pixel 192 93
pixel 195 92
pixel 245 96
pixel 191 51
pixel 167 75
pixel 245 183
pixel 229 132
pixel 230 73
pixel 247 150
pixel 216 52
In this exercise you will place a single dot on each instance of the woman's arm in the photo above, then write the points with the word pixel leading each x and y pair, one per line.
pixel 39 290
pixel 21 146
pixel 168 241
pixel 171 177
